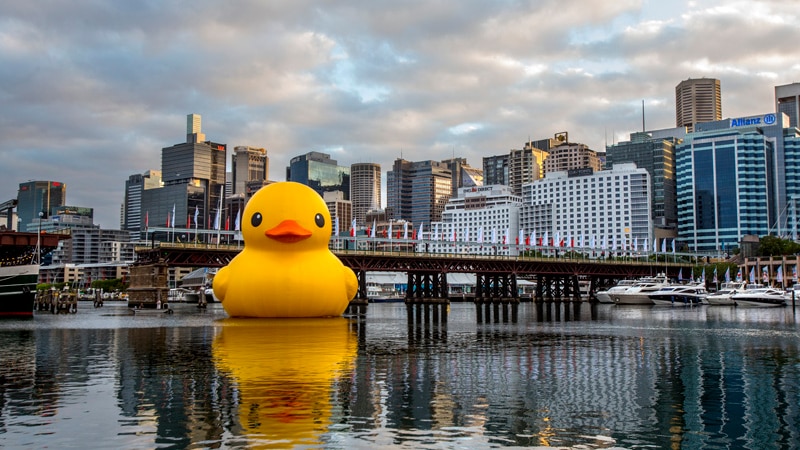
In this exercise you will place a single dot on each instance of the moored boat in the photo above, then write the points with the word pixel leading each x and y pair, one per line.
pixel 639 293
pixel 18 289
pixel 680 295
pixel 760 297
pixel 607 295
pixel 20 254
pixel 723 296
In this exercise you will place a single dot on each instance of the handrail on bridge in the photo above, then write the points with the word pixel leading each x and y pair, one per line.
pixel 567 254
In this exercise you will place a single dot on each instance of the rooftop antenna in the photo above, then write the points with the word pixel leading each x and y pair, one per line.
pixel 643 128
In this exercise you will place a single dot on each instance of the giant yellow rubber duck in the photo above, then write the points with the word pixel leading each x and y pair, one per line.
pixel 285 268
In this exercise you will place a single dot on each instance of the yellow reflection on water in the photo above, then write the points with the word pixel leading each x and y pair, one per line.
pixel 284 370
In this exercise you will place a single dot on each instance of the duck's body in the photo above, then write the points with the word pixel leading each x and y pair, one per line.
pixel 285 268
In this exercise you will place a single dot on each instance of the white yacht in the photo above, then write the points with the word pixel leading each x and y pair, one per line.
pixel 723 296
pixel 639 293
pixel 760 297
pixel 680 295
pixel 607 295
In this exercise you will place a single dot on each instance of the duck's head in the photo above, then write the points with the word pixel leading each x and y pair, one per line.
pixel 286 215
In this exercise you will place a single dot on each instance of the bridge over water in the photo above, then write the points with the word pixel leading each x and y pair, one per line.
pixel 555 278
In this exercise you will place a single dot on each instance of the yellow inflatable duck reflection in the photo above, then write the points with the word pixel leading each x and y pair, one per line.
pixel 285 268
pixel 284 371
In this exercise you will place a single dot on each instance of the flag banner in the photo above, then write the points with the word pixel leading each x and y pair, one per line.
pixel 196 212
pixel 238 221
pixel 728 275
pixel 419 235
pixel 173 215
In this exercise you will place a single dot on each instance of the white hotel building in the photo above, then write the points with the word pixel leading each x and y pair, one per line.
pixel 609 209
pixel 482 220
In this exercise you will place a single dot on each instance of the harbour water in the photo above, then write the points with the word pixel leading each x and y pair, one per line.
pixel 578 376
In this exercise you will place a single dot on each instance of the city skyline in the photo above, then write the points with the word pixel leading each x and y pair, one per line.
pixel 91 105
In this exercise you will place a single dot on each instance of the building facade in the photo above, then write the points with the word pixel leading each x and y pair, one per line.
pixel 481 220
pixel 495 170
pixel 657 156
pixel 697 100
pixel 365 189
pixel 608 210
pixel 136 184
pixel 732 181
pixel 319 172
pixel 568 156
pixel 249 164
pixel 36 197
pixel 787 101
pixel 463 174
pixel 341 212
pixel 417 191
pixel 193 184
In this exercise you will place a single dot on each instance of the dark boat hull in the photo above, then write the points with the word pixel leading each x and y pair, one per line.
pixel 18 290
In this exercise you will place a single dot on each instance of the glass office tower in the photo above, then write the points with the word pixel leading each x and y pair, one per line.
pixel 319 172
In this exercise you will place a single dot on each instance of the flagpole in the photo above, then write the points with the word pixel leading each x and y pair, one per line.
pixel 219 211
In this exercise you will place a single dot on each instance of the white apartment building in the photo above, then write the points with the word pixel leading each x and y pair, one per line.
pixel 606 210
pixel 482 220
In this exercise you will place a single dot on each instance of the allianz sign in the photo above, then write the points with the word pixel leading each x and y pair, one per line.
pixel 767 119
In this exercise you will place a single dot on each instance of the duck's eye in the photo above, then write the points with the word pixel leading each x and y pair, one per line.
pixel 319 219
pixel 256 220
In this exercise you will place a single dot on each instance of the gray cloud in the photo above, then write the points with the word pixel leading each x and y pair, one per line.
pixel 92 91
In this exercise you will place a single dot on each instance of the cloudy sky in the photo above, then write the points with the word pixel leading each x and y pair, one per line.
pixel 91 91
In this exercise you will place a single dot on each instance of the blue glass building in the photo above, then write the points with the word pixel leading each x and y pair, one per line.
pixel 734 180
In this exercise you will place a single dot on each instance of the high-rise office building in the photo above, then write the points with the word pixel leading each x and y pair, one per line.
pixel 523 168
pixel 568 156
pixel 319 172
pixel 463 174
pixel 135 185
pixel 36 197
pixel 540 150
pixel 249 164
pixel 787 101
pixel 697 100
pixel 418 191
pixel 365 189
pixel 733 179
pixel 515 168
pixel 341 212
pixel 193 180
pixel 495 170
pixel 657 156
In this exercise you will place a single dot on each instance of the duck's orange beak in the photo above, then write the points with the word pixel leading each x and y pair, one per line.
pixel 288 232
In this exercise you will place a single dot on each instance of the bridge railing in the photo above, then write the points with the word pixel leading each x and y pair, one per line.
pixel 463 250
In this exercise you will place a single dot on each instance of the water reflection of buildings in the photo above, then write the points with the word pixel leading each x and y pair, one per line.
pixel 526 383
pixel 519 386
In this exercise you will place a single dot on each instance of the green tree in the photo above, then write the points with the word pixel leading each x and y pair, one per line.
pixel 775 246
